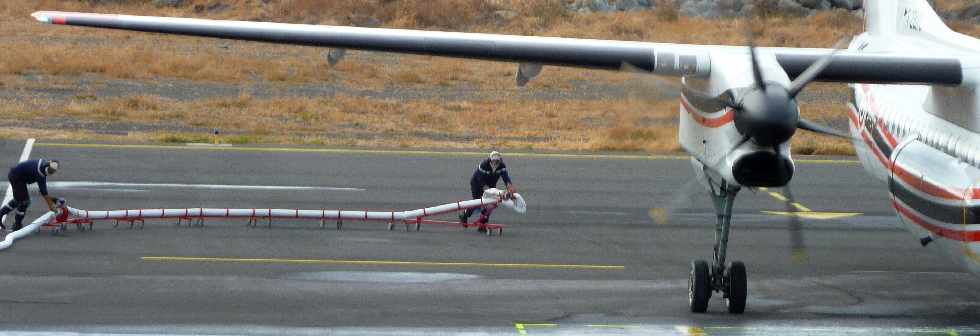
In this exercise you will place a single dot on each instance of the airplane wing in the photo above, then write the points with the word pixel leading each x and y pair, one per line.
pixel 658 58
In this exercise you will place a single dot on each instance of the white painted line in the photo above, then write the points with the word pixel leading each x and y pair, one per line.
pixel 121 190
pixel 26 153
pixel 94 184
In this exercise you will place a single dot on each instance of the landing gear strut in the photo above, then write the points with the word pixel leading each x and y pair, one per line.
pixel 730 280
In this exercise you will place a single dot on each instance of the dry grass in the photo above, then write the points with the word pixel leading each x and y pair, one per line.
pixel 634 124
pixel 590 125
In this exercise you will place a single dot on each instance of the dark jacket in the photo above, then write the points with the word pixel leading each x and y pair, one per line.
pixel 485 175
pixel 31 171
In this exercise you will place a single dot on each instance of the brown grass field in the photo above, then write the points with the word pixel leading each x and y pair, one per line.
pixel 635 123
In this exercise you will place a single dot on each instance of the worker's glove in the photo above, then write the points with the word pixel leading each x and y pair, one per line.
pixel 60 202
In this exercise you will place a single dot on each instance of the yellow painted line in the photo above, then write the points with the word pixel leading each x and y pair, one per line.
pixel 522 327
pixel 800 207
pixel 814 214
pixel 659 216
pixel 781 198
pixel 382 263
pixel 691 330
pixel 970 254
pixel 777 195
pixel 399 152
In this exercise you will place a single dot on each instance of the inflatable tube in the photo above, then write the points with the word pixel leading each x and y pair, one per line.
pixel 24 231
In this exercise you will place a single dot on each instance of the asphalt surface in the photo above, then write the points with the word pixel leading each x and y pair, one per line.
pixel 587 258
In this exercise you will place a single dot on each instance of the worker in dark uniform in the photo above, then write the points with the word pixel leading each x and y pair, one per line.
pixel 485 177
pixel 24 173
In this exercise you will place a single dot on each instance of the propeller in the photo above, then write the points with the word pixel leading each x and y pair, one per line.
pixel 795 228
pixel 768 112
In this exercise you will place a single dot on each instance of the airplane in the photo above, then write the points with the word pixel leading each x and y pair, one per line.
pixel 914 114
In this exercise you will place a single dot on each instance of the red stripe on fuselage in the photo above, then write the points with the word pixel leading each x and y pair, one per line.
pixel 907 177
pixel 931 188
pixel 724 119
pixel 958 235
pixel 867 140
pixel 872 102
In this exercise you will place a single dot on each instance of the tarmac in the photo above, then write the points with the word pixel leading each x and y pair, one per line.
pixel 595 253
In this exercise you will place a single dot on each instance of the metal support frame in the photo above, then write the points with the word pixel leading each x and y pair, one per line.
pixel 723 197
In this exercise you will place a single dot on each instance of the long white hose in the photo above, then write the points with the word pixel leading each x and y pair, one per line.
pixel 491 198
pixel 24 231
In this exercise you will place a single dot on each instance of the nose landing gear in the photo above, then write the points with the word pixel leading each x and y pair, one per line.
pixel 730 280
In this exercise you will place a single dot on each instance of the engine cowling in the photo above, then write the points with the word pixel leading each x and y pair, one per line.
pixel 936 196
pixel 762 168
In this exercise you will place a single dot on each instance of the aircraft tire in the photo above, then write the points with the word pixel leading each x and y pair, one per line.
pixel 737 287
pixel 699 286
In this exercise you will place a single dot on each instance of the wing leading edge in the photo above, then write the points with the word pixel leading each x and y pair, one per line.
pixel 659 58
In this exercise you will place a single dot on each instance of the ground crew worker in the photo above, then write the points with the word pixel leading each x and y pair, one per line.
pixel 485 177
pixel 24 173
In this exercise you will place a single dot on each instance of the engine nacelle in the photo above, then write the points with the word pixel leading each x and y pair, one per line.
pixel 762 168
pixel 937 196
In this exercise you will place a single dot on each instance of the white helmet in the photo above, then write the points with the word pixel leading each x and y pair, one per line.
pixel 495 156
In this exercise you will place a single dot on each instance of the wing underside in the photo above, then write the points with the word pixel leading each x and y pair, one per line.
pixel 659 58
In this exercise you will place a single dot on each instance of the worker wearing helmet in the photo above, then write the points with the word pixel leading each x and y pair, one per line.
pixel 24 173
pixel 485 177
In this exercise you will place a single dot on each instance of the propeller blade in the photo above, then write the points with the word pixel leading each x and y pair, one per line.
pixel 756 70
pixel 795 228
pixel 821 129
pixel 664 215
pixel 629 67
pixel 705 102
pixel 682 197
pixel 815 69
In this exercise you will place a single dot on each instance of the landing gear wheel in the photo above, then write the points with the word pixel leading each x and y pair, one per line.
pixel 737 287
pixel 699 286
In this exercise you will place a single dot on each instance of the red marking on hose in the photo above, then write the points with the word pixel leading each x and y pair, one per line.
pixel 59 20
